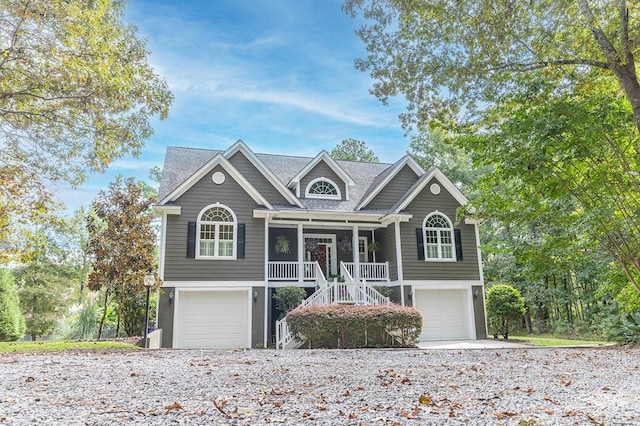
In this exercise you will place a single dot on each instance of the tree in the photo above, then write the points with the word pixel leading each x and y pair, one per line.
pixel 544 93
pixel 122 246
pixel 504 305
pixel 45 289
pixel 449 58
pixel 76 93
pixel 12 324
pixel 354 150
pixel 288 298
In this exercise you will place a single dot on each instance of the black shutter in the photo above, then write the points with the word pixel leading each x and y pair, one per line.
pixel 456 234
pixel 420 241
pixel 191 240
pixel 241 240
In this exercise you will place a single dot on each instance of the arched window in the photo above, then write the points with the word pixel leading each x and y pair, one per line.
pixel 323 188
pixel 217 226
pixel 438 237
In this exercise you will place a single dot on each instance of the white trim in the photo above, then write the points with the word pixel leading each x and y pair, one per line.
pixel 176 309
pixel 334 254
pixel 212 284
pixel 442 284
pixel 240 146
pixel 338 196
pixel 444 181
pixel 366 247
pixel 399 165
pixel 167 209
pixel 399 261
pixel 376 219
pixel 453 257
pixel 216 239
pixel 217 160
pixel 323 155
pixel 163 246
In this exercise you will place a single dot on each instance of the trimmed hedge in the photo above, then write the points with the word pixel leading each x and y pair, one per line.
pixel 348 326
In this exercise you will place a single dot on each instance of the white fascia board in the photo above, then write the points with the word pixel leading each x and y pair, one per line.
pixel 266 172
pixel 214 285
pixel 317 215
pixel 170 209
pixel 323 155
pixel 217 160
pixel 444 181
pixel 399 217
pixel 442 284
pixel 407 160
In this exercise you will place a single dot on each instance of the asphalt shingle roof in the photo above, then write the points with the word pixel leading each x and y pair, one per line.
pixel 181 163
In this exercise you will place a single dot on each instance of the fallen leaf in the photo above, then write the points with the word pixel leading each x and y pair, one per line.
pixel 425 400
pixel 321 407
pixel 352 415
pixel 278 404
pixel 346 393
pixel 595 421
pixel 29 379
pixel 606 388
pixel 405 381
pixel 570 413
pixel 174 406
pixel 134 374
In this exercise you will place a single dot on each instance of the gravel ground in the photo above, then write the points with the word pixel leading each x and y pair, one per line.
pixel 323 387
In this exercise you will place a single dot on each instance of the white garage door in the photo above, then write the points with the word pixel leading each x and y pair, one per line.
pixel 445 314
pixel 212 319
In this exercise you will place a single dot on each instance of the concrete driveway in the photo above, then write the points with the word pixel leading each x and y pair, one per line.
pixel 471 344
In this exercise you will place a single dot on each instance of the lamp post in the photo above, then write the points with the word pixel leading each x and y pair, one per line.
pixel 149 280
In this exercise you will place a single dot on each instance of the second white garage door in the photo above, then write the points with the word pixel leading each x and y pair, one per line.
pixel 445 314
pixel 212 319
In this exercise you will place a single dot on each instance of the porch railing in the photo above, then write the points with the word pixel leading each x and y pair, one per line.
pixel 370 271
pixel 290 271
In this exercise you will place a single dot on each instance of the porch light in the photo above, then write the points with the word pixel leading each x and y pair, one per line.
pixel 149 280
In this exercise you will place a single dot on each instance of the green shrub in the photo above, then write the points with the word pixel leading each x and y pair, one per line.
pixel 12 323
pixel 348 326
pixel 627 330
pixel 505 305
pixel 384 290
pixel 288 298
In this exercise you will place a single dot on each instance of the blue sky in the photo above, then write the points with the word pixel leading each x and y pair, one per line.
pixel 277 74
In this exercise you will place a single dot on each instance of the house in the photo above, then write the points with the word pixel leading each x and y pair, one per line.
pixel 236 225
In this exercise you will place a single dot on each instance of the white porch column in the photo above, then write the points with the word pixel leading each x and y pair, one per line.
pixel 355 251
pixel 266 281
pixel 300 253
pixel 399 260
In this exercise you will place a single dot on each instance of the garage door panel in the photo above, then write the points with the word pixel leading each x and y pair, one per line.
pixel 444 314
pixel 212 319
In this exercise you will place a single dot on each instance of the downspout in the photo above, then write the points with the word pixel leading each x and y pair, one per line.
pixel 399 260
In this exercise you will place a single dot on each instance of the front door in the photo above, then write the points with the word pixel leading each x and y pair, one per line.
pixel 320 256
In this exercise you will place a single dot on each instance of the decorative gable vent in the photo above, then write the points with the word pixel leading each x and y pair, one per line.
pixel 323 188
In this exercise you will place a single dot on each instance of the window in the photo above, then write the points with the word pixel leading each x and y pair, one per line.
pixel 216 232
pixel 438 237
pixel 323 188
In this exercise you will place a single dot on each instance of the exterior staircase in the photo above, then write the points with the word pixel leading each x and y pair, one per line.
pixel 350 291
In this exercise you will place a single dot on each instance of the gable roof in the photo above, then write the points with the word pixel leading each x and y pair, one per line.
pixel 322 156
pixel 185 166
pixel 417 187
pixel 217 160
pixel 240 146
pixel 387 176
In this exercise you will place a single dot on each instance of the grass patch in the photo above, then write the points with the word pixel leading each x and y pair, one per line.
pixel 555 341
pixel 61 345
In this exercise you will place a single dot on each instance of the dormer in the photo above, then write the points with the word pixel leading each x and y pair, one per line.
pixel 322 178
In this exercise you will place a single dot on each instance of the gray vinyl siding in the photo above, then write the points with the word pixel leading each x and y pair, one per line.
pixel 200 195
pixel 322 169
pixel 165 318
pixel 257 317
pixel 414 269
pixel 394 190
pixel 257 179
pixel 387 253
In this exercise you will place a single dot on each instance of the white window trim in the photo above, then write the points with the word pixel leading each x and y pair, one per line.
pixel 366 249
pixel 217 242
pixel 323 196
pixel 439 246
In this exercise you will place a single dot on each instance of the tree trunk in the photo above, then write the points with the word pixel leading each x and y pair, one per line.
pixel 104 315
pixel 527 321
pixel 626 75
